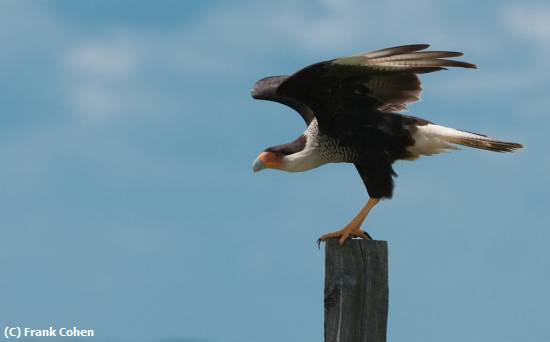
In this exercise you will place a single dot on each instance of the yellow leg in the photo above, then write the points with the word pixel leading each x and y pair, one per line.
pixel 354 227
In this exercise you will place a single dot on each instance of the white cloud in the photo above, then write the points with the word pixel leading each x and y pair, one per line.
pixel 326 26
pixel 93 73
pixel 103 58
pixel 531 21
pixel 99 77
pixel 508 72
pixel 93 102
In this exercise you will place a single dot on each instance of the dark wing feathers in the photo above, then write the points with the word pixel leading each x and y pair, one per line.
pixel 424 55
pixel 397 50
pixel 393 91
pixel 402 58
pixel 388 77
pixel 267 89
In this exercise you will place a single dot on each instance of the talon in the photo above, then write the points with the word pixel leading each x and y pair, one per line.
pixel 343 235
pixel 367 235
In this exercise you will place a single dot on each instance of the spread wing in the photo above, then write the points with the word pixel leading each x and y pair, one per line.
pixel 384 80
pixel 266 89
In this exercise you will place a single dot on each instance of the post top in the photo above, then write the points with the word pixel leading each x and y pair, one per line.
pixel 356 242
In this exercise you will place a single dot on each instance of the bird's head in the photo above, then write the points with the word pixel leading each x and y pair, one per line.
pixel 291 157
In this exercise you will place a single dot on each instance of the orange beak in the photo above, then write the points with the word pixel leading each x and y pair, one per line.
pixel 266 160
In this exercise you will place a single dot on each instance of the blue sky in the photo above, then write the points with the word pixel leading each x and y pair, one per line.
pixel 129 206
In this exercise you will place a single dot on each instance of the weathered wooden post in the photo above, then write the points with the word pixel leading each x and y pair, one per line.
pixel 356 291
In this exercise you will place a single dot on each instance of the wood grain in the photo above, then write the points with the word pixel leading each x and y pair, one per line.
pixel 356 291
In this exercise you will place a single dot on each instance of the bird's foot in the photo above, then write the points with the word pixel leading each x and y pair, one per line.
pixel 344 234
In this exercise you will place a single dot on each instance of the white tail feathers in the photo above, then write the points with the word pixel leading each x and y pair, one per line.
pixel 431 139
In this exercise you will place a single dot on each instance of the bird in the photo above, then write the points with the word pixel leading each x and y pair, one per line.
pixel 353 109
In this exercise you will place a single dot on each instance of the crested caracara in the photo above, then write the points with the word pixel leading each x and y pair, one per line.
pixel 350 106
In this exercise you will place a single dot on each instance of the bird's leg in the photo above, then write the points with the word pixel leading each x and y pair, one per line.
pixel 354 227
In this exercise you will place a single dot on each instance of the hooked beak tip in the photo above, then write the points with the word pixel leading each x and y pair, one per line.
pixel 258 165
